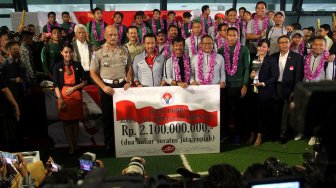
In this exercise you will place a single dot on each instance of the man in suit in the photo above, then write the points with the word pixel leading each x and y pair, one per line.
pixel 82 50
pixel 290 69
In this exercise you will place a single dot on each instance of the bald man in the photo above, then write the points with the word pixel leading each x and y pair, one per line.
pixel 111 67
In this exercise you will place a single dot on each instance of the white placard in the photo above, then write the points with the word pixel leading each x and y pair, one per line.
pixel 166 120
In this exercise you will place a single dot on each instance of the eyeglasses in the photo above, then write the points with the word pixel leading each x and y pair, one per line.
pixel 285 42
pixel 207 43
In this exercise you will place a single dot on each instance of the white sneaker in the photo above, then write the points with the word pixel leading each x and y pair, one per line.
pixel 312 141
pixel 298 137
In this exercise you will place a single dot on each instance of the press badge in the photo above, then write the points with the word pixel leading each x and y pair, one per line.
pixel 106 64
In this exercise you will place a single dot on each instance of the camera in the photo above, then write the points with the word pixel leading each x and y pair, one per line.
pixel 9 157
pixel 136 167
pixel 87 162
pixel 86 165
pixel 55 167
pixel 277 169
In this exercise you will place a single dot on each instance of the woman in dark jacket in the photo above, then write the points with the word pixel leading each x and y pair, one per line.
pixel 68 81
pixel 264 74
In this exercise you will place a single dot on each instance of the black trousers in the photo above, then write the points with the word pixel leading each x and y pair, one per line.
pixel 8 128
pixel 107 110
pixel 265 115
pixel 232 103
pixel 281 112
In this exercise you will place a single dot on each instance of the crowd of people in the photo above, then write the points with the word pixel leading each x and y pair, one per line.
pixel 254 58
pixel 91 172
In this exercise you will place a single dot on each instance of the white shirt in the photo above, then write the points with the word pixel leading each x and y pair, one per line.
pixel 282 64
pixel 83 50
pixel 329 42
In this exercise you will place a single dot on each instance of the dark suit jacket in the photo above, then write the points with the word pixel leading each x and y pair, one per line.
pixel 268 74
pixel 292 74
pixel 76 55
pixel 58 76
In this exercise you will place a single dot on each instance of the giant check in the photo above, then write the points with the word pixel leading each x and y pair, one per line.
pixel 166 120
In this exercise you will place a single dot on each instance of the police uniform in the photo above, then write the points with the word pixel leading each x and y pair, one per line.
pixel 112 68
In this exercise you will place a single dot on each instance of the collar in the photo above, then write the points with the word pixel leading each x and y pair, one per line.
pixel 81 43
pixel 106 47
pixel 130 44
pixel 316 56
pixel 154 55
pixel 286 54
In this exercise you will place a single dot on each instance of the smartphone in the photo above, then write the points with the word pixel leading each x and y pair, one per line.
pixel 86 165
pixel 278 185
pixel 281 182
pixel 9 157
pixel 55 167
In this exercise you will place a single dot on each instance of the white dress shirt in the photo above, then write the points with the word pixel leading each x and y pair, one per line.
pixel 83 50
pixel 282 64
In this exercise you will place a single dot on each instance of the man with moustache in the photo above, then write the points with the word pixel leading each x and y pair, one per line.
pixel 134 46
pixel 177 70
pixel 111 67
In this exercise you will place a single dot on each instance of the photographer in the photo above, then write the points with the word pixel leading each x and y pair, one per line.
pixel 9 113
pixel 15 174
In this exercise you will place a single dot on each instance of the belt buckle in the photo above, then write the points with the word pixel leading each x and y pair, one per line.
pixel 115 81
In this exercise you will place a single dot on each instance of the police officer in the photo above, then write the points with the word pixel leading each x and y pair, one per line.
pixel 110 68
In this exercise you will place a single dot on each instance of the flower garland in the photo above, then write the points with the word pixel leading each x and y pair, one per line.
pixel 309 74
pixel 144 31
pixel 203 24
pixel 120 32
pixel 244 27
pixel 167 47
pixel 300 48
pixel 215 30
pixel 184 35
pixel 72 27
pixel 154 25
pixel 256 25
pixel 200 76
pixel 193 45
pixel 169 22
pixel 231 70
pixel 186 65
pixel 94 31
pixel 220 42
pixel 236 25
pixel 49 26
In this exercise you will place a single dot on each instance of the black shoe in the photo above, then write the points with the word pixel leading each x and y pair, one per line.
pixel 283 140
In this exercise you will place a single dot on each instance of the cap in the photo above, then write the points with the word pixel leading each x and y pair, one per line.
pixel 296 32
pixel 219 15
pixel 280 12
